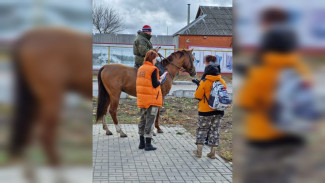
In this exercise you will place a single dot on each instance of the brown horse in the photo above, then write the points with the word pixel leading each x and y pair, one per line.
pixel 115 78
pixel 48 63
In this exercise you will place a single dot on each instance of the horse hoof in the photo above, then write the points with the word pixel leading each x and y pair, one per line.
pixel 105 128
pixel 154 134
pixel 123 135
pixel 109 133
pixel 160 131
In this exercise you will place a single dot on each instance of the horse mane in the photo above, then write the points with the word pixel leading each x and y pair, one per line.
pixel 171 57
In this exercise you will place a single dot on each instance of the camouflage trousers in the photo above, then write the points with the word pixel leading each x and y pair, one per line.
pixel 208 128
pixel 147 121
pixel 271 165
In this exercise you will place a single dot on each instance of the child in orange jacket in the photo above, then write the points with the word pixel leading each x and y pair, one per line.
pixel 209 119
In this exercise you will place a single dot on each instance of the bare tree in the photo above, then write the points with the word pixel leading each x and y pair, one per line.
pixel 106 20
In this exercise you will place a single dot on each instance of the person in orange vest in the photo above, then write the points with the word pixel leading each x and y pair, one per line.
pixel 209 119
pixel 149 98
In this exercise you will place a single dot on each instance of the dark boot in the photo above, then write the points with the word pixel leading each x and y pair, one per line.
pixel 142 143
pixel 149 147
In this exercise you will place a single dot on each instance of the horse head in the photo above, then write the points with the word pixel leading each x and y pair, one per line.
pixel 181 59
pixel 188 62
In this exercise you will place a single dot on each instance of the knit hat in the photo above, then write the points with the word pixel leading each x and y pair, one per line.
pixel 146 28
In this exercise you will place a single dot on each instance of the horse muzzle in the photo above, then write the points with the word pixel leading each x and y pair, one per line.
pixel 193 73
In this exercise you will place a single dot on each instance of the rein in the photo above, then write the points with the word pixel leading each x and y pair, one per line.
pixel 179 68
pixel 166 67
pixel 168 70
pixel 170 63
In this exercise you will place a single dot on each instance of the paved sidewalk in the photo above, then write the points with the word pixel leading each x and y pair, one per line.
pixel 118 159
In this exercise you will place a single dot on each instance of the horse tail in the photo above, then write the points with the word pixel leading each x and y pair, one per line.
pixel 103 98
pixel 25 107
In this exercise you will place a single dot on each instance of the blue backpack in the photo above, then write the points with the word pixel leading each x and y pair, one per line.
pixel 294 109
pixel 219 98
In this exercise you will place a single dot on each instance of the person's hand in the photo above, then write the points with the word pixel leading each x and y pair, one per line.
pixel 162 78
pixel 196 81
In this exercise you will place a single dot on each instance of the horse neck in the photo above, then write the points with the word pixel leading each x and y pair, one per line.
pixel 172 69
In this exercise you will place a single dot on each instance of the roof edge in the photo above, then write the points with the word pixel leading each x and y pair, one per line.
pixel 189 25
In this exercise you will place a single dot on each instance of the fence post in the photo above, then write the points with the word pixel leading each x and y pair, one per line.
pixel 165 52
pixel 109 54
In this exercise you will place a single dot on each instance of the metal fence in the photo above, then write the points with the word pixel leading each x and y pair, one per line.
pixel 107 54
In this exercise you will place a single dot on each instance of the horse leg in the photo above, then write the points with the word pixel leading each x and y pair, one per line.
pixel 49 118
pixel 153 132
pixel 113 110
pixel 105 127
pixel 49 123
pixel 29 169
pixel 157 123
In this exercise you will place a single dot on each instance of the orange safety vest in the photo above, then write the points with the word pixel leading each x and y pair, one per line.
pixel 147 95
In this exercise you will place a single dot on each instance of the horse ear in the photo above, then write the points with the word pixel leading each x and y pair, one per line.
pixel 192 50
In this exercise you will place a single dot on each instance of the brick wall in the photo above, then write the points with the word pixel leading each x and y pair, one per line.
pixel 209 41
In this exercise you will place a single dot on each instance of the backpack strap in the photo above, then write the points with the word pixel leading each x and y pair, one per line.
pixel 212 88
pixel 205 98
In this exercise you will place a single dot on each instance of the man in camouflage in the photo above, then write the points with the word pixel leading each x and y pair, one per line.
pixel 142 45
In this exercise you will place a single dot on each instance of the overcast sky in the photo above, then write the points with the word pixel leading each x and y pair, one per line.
pixel 159 14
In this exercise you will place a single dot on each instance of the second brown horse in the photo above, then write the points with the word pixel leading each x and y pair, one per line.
pixel 116 78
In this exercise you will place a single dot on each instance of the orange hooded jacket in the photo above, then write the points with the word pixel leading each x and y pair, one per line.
pixel 257 94
pixel 203 91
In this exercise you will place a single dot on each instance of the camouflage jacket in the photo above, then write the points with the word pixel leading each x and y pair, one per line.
pixel 141 46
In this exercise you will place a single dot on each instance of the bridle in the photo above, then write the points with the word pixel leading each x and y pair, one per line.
pixel 191 61
pixel 179 68
pixel 161 58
